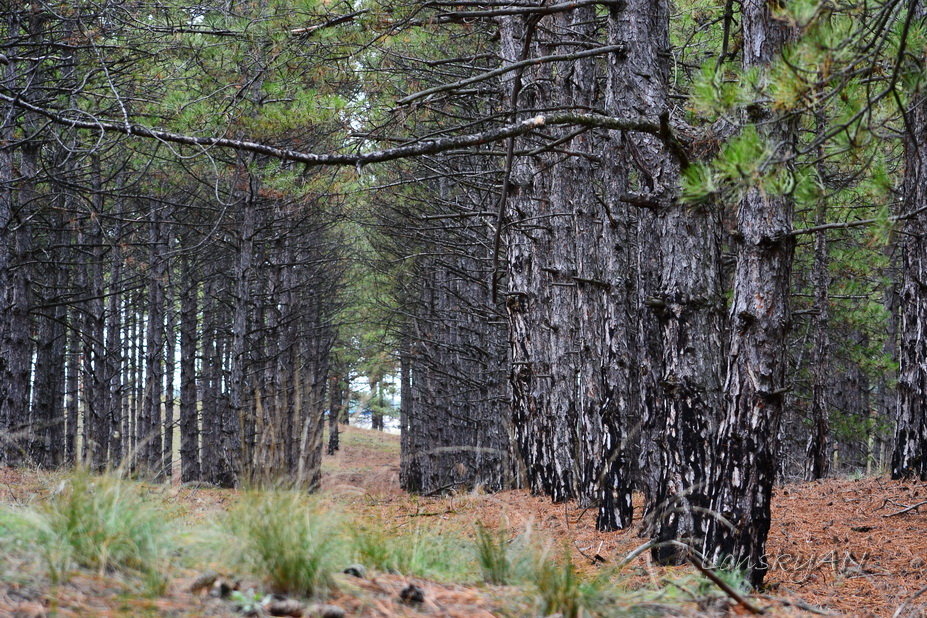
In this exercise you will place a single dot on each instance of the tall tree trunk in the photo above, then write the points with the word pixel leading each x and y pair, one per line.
pixel 216 462
pixel 240 325
pixel 150 434
pixel 96 387
pixel 189 413
pixel 539 405
pixel 10 400
pixel 817 451
pixel 679 293
pixel 15 355
pixel 909 458
pixel 48 421
pixel 170 353
pixel 744 466
pixel 72 390
pixel 115 346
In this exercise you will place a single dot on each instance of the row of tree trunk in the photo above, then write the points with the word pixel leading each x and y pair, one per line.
pixel 150 309
pixel 624 370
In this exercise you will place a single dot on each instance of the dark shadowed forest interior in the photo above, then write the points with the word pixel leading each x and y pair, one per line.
pixel 656 268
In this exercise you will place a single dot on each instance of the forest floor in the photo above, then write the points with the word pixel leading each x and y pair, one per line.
pixel 838 547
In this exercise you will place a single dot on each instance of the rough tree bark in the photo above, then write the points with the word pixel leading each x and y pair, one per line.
pixel 336 404
pixel 817 451
pixel 93 330
pixel 240 322
pixel 539 335
pixel 744 466
pixel 597 291
pixel 453 416
pixel 909 457
pixel 211 383
pixel 679 292
pixel 15 352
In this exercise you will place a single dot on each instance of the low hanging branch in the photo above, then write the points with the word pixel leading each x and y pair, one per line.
pixel 424 147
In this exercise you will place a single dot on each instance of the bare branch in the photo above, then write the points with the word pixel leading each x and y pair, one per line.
pixel 335 21
pixel 425 147
pixel 508 69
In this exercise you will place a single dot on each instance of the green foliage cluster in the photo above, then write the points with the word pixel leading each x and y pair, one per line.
pixel 296 544
pixel 103 523
pixel 283 537
pixel 421 552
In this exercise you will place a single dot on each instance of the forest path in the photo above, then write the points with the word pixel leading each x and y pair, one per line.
pixel 832 543
pixel 840 544
pixel 366 462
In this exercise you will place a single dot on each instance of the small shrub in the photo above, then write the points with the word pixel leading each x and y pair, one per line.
pixel 102 523
pixel 492 554
pixel 285 539
pixel 422 553
pixel 562 590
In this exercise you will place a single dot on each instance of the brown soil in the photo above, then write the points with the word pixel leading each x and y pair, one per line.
pixel 835 545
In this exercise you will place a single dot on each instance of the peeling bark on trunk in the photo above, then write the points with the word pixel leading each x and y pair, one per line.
pixel 568 287
pixel 539 409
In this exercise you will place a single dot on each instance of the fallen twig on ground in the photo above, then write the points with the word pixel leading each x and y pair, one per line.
pixel 906 509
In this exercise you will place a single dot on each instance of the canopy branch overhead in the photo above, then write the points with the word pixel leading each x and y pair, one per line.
pixel 425 147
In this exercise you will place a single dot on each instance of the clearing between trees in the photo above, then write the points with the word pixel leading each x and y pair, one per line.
pixel 839 547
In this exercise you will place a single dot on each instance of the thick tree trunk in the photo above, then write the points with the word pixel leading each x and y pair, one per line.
pixel 744 466
pixel 48 419
pixel 539 337
pixel 95 384
pixel 15 357
pixel 909 458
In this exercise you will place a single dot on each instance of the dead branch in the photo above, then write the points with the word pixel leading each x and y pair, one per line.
pixel 913 507
pixel 797 603
pixel 720 583
pixel 508 68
